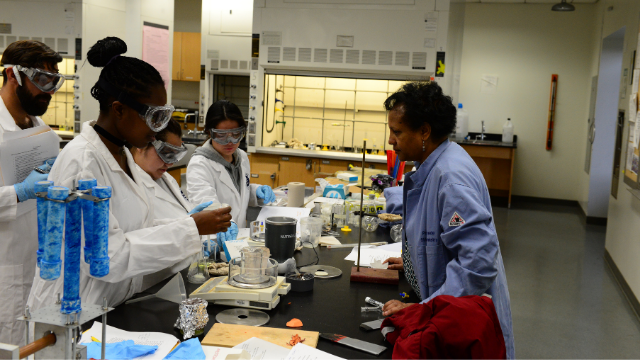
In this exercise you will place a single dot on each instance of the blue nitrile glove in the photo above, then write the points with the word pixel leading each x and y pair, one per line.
pixel 26 189
pixel 187 350
pixel 230 234
pixel 200 207
pixel 265 193
pixel 121 350
pixel 205 247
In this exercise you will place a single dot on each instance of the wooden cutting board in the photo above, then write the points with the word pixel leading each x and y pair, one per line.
pixel 228 335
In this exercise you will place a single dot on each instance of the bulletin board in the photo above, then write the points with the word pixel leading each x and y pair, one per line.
pixel 632 162
pixel 156 49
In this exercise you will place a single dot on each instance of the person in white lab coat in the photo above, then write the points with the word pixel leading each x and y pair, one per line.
pixel 219 171
pixel 168 200
pixel 30 77
pixel 132 101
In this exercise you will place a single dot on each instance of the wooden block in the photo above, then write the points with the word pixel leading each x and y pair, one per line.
pixel 378 276
pixel 228 335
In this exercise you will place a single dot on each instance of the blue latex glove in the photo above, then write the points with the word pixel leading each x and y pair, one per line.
pixel 121 350
pixel 230 234
pixel 265 193
pixel 206 248
pixel 187 350
pixel 26 189
pixel 200 207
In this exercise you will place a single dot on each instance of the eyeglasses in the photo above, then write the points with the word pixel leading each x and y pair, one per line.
pixel 44 80
pixel 223 137
pixel 156 117
pixel 170 154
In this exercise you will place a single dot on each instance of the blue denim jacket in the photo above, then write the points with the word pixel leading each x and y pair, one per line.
pixel 450 232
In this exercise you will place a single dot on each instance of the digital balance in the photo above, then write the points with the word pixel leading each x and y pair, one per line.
pixel 253 282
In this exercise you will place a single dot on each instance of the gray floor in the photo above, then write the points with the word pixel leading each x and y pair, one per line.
pixel 565 301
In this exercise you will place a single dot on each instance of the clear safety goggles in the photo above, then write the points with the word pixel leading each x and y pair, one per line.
pixel 44 80
pixel 156 117
pixel 223 137
pixel 170 154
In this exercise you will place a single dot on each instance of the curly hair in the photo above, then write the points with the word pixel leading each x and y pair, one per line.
pixel 125 74
pixel 424 102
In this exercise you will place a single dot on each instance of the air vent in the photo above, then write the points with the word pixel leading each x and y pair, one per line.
pixel 353 57
pixel 402 58
pixel 336 56
pixel 233 64
pixel 50 42
pixel 36 39
pixel 224 64
pixel 63 45
pixel 244 65
pixel 288 54
pixel 368 57
pixel 304 54
pixel 23 38
pixel 213 54
pixel 419 61
pixel 214 64
pixel 273 55
pixel 385 58
pixel 320 55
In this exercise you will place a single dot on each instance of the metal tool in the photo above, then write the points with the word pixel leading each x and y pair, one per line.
pixel 354 343
pixel 372 325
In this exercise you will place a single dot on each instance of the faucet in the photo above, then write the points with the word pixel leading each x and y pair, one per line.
pixel 482 136
pixel 195 132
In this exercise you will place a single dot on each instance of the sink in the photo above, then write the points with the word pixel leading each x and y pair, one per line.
pixel 484 142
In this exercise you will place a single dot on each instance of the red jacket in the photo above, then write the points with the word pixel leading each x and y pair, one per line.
pixel 447 327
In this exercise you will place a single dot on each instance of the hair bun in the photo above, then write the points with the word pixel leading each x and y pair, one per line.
pixel 104 50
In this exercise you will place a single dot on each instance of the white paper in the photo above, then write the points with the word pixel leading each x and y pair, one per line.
pixel 431 21
pixel 629 156
pixel 12 135
pixel 164 341
pixel 396 247
pixel 233 247
pixel 293 212
pixel 636 132
pixel 220 353
pixel 369 255
pixel 633 107
pixel 305 352
pixel 488 84
pixel 260 349
pixel 377 264
pixel 329 240
pixel 243 233
pixel 636 79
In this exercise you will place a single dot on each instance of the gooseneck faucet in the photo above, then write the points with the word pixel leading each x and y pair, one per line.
pixel 482 135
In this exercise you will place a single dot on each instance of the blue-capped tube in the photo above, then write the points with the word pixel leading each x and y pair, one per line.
pixel 99 265
pixel 87 217
pixel 42 186
pixel 50 263
pixel 72 243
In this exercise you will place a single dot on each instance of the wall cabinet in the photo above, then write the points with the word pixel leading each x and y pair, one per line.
pixel 186 56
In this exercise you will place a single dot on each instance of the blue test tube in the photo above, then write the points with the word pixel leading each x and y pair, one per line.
pixel 72 243
pixel 87 217
pixel 99 265
pixel 42 186
pixel 50 263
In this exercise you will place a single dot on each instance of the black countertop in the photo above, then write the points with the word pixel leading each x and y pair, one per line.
pixel 490 140
pixel 333 305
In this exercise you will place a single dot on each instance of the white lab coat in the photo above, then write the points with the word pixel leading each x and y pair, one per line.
pixel 18 246
pixel 208 180
pixel 166 206
pixel 139 244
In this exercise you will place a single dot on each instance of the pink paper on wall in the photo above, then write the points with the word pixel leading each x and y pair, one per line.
pixel 156 49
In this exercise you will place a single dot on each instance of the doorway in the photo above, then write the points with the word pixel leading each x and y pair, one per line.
pixel 605 124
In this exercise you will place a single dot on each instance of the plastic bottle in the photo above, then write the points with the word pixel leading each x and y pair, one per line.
pixel 462 123
pixel 507 132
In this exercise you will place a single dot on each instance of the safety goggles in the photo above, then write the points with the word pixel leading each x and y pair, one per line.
pixel 43 80
pixel 156 117
pixel 223 137
pixel 170 154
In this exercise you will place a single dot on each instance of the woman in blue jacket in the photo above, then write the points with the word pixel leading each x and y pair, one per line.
pixel 449 230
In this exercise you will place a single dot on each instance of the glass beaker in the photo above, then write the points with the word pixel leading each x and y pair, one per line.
pixel 254 263
pixel 339 216
pixel 310 230
pixel 199 270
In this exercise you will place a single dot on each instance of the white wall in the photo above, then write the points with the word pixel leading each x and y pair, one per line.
pixel 523 44
pixel 124 19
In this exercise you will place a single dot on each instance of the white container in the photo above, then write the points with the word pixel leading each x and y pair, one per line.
pixel 462 123
pixel 507 132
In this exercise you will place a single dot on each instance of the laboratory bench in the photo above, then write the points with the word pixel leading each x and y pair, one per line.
pixel 332 306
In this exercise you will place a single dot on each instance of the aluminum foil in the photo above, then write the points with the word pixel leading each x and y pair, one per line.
pixel 193 316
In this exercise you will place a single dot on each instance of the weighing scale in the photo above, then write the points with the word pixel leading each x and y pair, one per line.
pixel 221 291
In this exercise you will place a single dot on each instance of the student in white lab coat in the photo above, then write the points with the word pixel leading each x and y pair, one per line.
pixel 168 200
pixel 219 171
pixel 30 77
pixel 132 101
